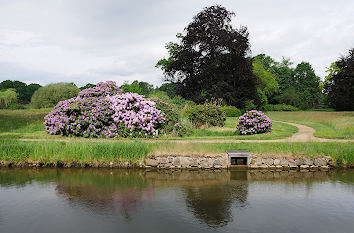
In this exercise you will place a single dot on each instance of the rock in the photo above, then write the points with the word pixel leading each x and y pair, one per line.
pixel 324 167
pixel 330 162
pixel 292 163
pixel 276 162
pixel 258 161
pixel 298 162
pixel 193 162
pixel 313 167
pixel 217 166
pixel 177 162
pixel 320 162
pixel 151 162
pixel 268 161
pixel 217 162
pixel 254 166
pixel 304 166
pixel 308 161
pixel 162 160
pixel 170 159
pixel 284 162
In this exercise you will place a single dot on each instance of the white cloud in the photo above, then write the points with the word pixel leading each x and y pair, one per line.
pixel 90 40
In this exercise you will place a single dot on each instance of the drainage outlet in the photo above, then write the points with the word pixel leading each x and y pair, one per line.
pixel 238 158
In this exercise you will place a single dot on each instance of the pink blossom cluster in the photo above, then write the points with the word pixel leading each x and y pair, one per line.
pixel 103 112
pixel 139 115
pixel 254 122
pixel 101 89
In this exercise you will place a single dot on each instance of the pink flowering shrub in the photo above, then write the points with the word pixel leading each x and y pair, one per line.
pixel 139 115
pixel 254 122
pixel 103 111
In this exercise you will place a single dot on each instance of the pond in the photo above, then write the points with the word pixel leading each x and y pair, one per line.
pixel 98 200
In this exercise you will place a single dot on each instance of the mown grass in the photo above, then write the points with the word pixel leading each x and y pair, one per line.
pixel 51 151
pixel 338 125
pixel 279 130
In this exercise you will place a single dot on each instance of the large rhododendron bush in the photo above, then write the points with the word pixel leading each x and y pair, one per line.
pixel 103 111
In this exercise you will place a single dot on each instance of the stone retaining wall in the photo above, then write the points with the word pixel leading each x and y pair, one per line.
pixel 221 161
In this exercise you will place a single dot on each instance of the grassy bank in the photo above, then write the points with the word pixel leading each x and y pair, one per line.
pixel 105 152
pixel 327 124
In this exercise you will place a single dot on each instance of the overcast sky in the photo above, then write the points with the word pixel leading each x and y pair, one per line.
pixel 82 41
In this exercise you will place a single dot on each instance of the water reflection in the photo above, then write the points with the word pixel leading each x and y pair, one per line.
pixel 209 196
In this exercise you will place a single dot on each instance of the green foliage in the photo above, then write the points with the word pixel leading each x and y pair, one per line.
pixel 23 90
pixel 206 115
pixel 89 85
pixel 8 97
pixel 177 102
pixel 340 86
pixel 268 83
pixel 288 97
pixel 231 111
pixel 279 107
pixel 249 105
pixel 307 85
pixel 141 88
pixel 169 88
pixel 50 95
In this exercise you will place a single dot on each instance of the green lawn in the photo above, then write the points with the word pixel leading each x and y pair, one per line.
pixel 327 124
pixel 29 124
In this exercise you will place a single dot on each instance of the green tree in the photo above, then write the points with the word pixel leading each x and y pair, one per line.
pixel 89 85
pixel 50 95
pixel 211 60
pixel 340 85
pixel 307 84
pixel 23 90
pixel 268 84
pixel 8 97
pixel 169 88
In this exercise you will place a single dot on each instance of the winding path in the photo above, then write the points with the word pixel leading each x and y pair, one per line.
pixel 304 134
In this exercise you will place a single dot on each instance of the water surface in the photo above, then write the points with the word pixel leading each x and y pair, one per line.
pixel 97 200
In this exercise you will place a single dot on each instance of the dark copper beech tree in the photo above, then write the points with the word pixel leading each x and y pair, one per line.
pixel 340 87
pixel 211 60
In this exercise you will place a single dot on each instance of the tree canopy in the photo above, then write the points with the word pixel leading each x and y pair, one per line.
pixel 340 84
pixel 50 95
pixel 23 90
pixel 211 60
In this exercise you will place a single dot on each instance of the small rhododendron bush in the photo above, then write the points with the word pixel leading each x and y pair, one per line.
pixel 103 111
pixel 254 122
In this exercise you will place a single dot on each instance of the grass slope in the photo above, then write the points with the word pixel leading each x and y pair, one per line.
pixel 333 125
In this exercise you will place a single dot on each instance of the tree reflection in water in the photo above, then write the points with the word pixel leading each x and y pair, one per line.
pixel 106 192
pixel 211 204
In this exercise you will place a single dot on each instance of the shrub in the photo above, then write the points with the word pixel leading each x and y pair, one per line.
pixel 206 115
pixel 50 95
pixel 231 111
pixel 279 107
pixel 171 117
pixel 254 122
pixel 103 112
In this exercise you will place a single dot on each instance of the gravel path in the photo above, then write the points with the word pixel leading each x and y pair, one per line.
pixel 304 134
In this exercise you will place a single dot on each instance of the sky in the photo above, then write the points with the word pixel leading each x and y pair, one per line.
pixel 87 41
